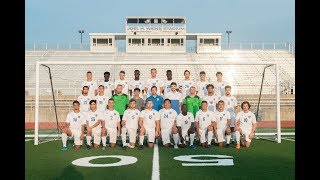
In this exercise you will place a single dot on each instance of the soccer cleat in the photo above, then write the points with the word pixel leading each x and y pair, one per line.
pixel 63 148
pixel 192 146
pixel 238 146
pixel 176 146
pixel 88 147
pixel 140 147
pixel 208 146
pixel 130 146
pixel 233 142
pixel 103 148
pixel 124 147
pixel 227 145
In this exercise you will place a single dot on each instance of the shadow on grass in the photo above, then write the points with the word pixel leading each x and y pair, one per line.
pixel 70 173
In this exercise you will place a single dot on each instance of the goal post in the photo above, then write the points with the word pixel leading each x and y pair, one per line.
pixel 149 65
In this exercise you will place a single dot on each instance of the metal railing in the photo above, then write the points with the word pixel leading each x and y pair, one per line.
pixel 189 48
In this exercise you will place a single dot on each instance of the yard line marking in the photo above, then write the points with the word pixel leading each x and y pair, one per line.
pixel 155 163
pixel 27 140
pixel 288 139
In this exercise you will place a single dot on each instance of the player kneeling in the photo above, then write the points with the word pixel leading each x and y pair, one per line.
pixel 74 127
pixel 186 126
pixel 245 125
pixel 110 125
pixel 204 119
pixel 130 125
pixel 222 124
pixel 149 120
pixel 94 118
pixel 168 125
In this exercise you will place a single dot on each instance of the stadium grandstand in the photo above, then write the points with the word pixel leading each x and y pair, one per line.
pixel 162 43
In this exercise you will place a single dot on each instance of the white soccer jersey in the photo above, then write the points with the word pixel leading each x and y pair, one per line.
pixel 84 102
pixel 93 117
pixel 185 121
pixel 108 87
pixel 92 87
pixel 219 88
pixel 229 101
pixel 136 84
pixel 204 118
pixel 246 120
pixel 202 88
pixel 174 96
pixel 167 86
pixel 167 118
pixel 131 116
pixel 111 118
pixel 102 102
pixel 221 118
pixel 76 120
pixel 149 118
pixel 212 102
pixel 153 82
pixel 125 85
pixel 186 84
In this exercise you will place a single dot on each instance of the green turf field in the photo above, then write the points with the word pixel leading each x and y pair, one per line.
pixel 263 160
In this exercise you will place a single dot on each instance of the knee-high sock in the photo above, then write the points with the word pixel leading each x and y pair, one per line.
pixel 124 136
pixel 64 139
pixel 89 140
pixel 210 135
pixel 238 137
pixel 228 139
pixel 176 138
pixel 141 139
pixel 104 140
pixel 192 138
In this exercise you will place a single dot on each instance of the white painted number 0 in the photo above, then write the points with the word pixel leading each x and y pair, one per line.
pixel 124 160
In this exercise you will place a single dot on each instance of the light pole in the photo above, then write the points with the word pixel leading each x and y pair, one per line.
pixel 81 32
pixel 229 32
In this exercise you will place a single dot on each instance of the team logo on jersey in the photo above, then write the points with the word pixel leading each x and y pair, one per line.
pixel 223 114
pixel 207 115
pixel 104 99
pixel 157 99
pixel 96 115
pixel 136 113
pixel 75 119
pixel 91 84
pixel 154 114
pixel 189 118
pixel 221 118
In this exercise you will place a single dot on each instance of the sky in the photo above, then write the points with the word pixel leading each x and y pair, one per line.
pixel 59 21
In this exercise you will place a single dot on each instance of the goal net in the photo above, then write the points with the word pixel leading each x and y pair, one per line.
pixel 245 78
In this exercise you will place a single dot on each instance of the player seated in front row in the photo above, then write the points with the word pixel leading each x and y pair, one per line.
pixel 186 126
pixel 110 125
pixel 168 125
pixel 130 125
pixel 204 119
pixel 245 124
pixel 74 127
pixel 93 118
pixel 222 123
pixel 149 122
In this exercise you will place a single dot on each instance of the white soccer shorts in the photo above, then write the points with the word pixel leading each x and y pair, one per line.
pixel 132 135
pixel 246 134
pixel 221 134
pixel 112 133
pixel 76 136
pixel 151 134
pixel 165 135
pixel 96 133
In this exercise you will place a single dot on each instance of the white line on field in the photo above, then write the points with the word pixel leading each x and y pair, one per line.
pixel 155 163
pixel 27 140
pixel 288 139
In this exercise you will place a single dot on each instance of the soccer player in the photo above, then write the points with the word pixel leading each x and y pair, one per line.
pixel 108 85
pixel 202 85
pixel 93 118
pixel 186 84
pixel 130 125
pixel 84 99
pixel 102 99
pixel 121 101
pixel 123 82
pixel 230 104
pixel 186 126
pixel 110 125
pixel 153 81
pixel 136 83
pixel 93 87
pixel 156 99
pixel 222 124
pixel 139 101
pixel 175 97
pixel 219 85
pixel 168 125
pixel 204 119
pixel 193 101
pixel 167 83
pixel 149 123
pixel 211 98
pixel 74 127
pixel 245 124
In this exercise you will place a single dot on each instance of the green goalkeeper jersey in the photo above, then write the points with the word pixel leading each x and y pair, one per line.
pixel 121 102
pixel 193 104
